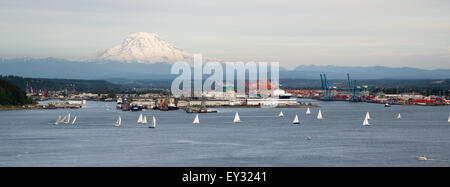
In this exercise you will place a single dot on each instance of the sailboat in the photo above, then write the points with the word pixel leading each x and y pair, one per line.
pixel 153 123
pixel 236 118
pixel 196 120
pixel 366 122
pixel 308 112
pixel 58 121
pixel 118 122
pixel 68 119
pixel 140 120
pixel 281 114
pixel 368 116
pixel 449 119
pixel 296 121
pixel 319 116
pixel 74 120
pixel 144 121
pixel 64 119
pixel 399 116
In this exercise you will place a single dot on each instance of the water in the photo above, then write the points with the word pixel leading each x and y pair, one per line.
pixel 28 138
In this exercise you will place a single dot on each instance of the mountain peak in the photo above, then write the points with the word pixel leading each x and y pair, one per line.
pixel 143 34
pixel 145 47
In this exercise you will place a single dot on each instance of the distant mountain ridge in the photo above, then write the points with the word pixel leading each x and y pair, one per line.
pixel 370 72
pixel 60 68
pixel 147 56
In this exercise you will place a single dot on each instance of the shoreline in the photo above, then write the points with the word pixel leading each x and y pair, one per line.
pixel 258 106
pixel 18 107
pixel 33 107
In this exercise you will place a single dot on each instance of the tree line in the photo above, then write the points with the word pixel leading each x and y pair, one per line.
pixel 11 94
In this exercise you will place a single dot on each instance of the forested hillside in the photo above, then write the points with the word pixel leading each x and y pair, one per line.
pixel 11 94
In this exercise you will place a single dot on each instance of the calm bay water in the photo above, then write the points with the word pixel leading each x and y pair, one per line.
pixel 28 138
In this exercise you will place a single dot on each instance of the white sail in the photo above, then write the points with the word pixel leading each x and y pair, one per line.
pixel 366 121
pixel 68 119
pixel 308 112
pixel 144 121
pixel 74 120
pixel 196 120
pixel 140 120
pixel 319 116
pixel 236 118
pixel 118 122
pixel 449 119
pixel 58 121
pixel 399 116
pixel 154 122
pixel 368 116
pixel 281 114
pixel 296 121
pixel 63 119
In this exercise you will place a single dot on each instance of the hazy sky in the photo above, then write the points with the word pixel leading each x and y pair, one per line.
pixel 393 33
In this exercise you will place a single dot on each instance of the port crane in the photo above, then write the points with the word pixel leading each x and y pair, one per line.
pixel 355 91
pixel 325 87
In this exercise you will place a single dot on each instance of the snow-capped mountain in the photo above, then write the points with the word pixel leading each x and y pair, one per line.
pixel 146 47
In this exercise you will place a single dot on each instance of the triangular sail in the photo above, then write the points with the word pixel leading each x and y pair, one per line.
pixel 308 112
pixel 236 118
pixel 449 119
pixel 68 119
pixel 118 122
pixel 296 121
pixel 140 120
pixel 74 120
pixel 154 122
pixel 196 120
pixel 63 119
pixel 144 121
pixel 399 116
pixel 366 121
pixel 58 121
pixel 319 116
pixel 281 114
pixel 368 116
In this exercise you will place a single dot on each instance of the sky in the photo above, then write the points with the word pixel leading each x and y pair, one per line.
pixel 393 33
